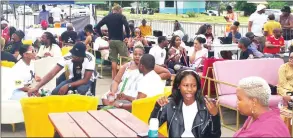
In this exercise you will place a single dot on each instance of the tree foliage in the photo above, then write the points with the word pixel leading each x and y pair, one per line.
pixel 248 8
pixel 277 5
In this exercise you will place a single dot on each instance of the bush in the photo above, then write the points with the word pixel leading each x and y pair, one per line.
pixel 191 14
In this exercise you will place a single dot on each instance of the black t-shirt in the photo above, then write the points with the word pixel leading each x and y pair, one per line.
pixel 12 47
pixel 69 37
pixel 245 54
pixel 8 57
pixel 77 67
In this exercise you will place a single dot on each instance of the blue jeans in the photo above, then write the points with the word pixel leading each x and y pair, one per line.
pixel 82 90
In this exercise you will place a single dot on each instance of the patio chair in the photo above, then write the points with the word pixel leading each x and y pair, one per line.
pixel 228 73
pixel 142 109
pixel 37 109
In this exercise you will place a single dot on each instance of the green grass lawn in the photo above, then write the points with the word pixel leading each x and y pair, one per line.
pixel 172 17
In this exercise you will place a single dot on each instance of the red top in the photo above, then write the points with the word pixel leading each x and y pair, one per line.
pixel 279 42
pixel 5 34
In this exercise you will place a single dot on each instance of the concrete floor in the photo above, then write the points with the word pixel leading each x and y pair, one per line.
pixel 102 87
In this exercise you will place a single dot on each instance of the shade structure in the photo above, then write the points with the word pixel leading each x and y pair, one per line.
pixel 56 2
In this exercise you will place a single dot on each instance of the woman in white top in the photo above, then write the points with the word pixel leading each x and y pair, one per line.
pixel 24 73
pixel 187 112
pixel 49 46
pixel 198 53
pixel 124 86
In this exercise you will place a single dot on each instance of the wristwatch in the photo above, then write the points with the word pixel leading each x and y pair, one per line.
pixel 120 105
pixel 69 85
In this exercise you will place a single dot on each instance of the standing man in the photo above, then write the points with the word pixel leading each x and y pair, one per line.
pixel 159 51
pixel 145 29
pixel 230 18
pixel 115 24
pixel 270 25
pixel 256 24
pixel 44 14
pixel 56 13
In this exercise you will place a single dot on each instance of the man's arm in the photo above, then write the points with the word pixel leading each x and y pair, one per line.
pixel 100 24
pixel 249 26
pixel 125 23
pixel 265 29
pixel 87 75
pixel 162 72
pixel 49 76
pixel 270 45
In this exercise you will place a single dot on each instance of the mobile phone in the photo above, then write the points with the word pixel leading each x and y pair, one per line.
pixel 143 135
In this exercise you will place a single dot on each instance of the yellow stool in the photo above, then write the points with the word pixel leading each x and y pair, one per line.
pixel 27 42
pixel 7 64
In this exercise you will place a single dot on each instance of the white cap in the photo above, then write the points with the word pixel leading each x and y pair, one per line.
pixel 154 124
pixel 4 22
pixel 260 7
pixel 104 27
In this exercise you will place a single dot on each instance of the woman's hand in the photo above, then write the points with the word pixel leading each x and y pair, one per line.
pixel 213 106
pixel 163 101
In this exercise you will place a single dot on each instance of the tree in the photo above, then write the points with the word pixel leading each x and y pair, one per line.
pixel 248 8
pixel 277 5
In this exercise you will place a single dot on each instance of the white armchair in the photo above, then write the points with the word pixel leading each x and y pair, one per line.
pixel 11 110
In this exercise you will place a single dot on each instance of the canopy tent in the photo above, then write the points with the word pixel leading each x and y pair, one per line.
pixel 41 1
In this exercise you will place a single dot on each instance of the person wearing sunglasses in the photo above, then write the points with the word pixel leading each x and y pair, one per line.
pixel 186 111
pixel 23 72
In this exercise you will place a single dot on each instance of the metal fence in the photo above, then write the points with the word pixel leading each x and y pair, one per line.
pixel 190 27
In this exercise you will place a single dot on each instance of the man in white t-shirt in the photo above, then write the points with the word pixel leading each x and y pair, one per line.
pixel 150 85
pixel 81 67
pixel 256 23
pixel 159 51
pixel 56 13
pixel 102 43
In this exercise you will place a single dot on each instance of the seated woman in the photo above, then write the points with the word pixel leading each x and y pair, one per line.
pixel 286 79
pixel 49 46
pixel 25 73
pixel 136 39
pixel 197 53
pixel 127 78
pixel 187 112
pixel 177 55
pixel 253 94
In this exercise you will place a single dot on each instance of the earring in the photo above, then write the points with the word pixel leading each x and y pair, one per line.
pixel 252 109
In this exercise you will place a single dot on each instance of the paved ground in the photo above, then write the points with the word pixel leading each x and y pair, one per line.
pixel 102 87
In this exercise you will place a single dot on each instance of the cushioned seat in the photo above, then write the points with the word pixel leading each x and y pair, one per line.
pixel 231 100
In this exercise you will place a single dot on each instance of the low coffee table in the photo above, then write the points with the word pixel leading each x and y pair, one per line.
pixel 287 115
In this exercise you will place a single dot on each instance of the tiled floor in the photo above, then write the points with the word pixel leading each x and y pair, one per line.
pixel 102 87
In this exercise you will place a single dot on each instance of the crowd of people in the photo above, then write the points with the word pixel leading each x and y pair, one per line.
pixel 145 73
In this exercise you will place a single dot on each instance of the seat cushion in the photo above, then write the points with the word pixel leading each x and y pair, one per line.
pixel 231 100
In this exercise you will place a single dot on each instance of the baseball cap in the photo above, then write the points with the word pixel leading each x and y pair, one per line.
pixel 245 41
pixel 249 34
pixel 44 23
pixel 286 9
pixel 79 50
pixel 260 7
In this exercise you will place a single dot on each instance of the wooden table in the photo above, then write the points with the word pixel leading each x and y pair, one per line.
pixel 110 123
pixel 287 115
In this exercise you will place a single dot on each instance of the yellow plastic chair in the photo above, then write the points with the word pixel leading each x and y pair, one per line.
pixel 37 109
pixel 7 64
pixel 65 50
pixel 27 42
pixel 142 109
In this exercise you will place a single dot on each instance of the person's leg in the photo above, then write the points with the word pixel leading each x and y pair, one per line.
pixel 83 89
pixel 18 94
pixel 60 79
pixel 113 55
pixel 56 90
